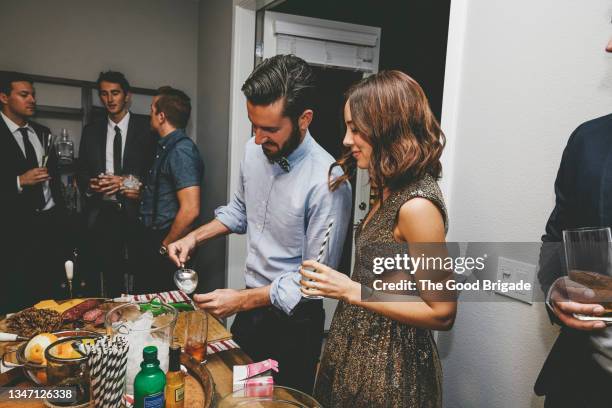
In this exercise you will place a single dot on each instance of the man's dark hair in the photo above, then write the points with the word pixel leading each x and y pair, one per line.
pixel 114 77
pixel 282 76
pixel 8 77
pixel 175 104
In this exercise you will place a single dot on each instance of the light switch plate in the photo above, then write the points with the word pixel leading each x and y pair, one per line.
pixel 509 270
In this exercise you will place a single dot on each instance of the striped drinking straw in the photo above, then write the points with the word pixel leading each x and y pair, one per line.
pixel 320 256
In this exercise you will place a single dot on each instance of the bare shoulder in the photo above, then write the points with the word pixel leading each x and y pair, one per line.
pixel 420 220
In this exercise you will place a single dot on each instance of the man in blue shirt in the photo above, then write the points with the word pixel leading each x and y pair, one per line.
pixel 171 195
pixel 284 205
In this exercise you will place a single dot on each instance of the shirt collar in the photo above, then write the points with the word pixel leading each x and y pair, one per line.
pixel 12 125
pixel 300 152
pixel 175 134
pixel 123 124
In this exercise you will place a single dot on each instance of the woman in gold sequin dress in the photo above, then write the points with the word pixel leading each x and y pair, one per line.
pixel 382 354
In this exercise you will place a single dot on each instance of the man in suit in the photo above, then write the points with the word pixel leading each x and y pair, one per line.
pixel 121 144
pixel 578 370
pixel 31 196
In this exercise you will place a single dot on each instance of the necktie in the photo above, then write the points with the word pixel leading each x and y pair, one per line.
pixel 284 164
pixel 117 151
pixel 36 191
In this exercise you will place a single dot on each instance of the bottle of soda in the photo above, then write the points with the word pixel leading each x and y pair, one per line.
pixel 150 382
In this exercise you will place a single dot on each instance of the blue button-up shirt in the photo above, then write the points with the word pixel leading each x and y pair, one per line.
pixel 177 165
pixel 285 216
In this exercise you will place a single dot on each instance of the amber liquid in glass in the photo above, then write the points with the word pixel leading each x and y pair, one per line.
pixel 196 350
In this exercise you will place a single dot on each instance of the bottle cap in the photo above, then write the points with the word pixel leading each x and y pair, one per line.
pixel 149 354
pixel 175 358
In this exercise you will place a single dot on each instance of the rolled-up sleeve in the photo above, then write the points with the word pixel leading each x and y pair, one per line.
pixel 233 215
pixel 324 207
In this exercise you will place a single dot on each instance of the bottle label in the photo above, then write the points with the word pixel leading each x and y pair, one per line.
pixel 154 400
pixel 179 394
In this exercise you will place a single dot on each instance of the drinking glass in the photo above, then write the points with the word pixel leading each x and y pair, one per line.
pixel 196 334
pixel 588 257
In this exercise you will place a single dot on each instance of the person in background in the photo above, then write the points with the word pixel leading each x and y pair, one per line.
pixel 382 354
pixel 121 144
pixel 578 370
pixel 170 203
pixel 35 246
pixel 284 206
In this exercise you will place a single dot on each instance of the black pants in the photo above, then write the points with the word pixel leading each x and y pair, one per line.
pixel 587 386
pixel 36 257
pixel 294 341
pixel 155 272
pixel 111 241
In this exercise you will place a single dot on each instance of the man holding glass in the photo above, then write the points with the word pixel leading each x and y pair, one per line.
pixel 578 370
pixel 284 205
pixel 119 145
pixel 31 199
pixel 170 199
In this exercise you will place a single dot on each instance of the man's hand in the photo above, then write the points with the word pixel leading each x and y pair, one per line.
pixel 179 251
pixel 94 184
pixel 568 297
pixel 34 176
pixel 110 184
pixel 221 302
pixel 132 194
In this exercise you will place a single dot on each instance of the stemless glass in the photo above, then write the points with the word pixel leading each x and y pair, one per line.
pixel 196 335
pixel 588 259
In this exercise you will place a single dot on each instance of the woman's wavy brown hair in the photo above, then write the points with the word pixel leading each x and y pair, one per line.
pixel 391 112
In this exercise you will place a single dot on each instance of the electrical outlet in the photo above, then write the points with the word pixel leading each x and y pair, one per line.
pixel 511 271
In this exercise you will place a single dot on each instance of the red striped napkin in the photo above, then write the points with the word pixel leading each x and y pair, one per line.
pixel 173 296
pixel 221 345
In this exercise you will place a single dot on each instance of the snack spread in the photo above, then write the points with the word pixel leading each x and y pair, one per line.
pixel 32 321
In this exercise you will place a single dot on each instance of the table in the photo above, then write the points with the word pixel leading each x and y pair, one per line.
pixel 219 364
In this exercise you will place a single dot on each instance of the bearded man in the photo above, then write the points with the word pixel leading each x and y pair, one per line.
pixel 284 205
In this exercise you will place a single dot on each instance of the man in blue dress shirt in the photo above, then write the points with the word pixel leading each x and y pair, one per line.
pixel 284 205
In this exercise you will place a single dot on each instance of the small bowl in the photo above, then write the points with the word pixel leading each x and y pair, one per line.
pixel 37 373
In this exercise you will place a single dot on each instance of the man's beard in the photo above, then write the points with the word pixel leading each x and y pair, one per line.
pixel 290 145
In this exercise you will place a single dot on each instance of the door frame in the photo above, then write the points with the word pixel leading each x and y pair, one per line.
pixel 242 63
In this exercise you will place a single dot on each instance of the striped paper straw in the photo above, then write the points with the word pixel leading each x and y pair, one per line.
pixel 107 365
pixel 325 240
pixel 320 256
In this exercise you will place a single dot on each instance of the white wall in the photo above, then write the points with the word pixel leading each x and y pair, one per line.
pixel 531 72
pixel 153 42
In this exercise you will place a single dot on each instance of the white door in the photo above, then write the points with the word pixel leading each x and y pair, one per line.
pixel 329 44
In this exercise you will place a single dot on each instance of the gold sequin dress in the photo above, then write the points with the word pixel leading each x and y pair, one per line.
pixel 370 360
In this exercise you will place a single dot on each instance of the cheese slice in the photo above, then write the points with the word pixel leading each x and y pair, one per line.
pixel 58 307
pixel 46 304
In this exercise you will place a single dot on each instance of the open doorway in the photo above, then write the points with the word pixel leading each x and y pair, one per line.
pixel 410 36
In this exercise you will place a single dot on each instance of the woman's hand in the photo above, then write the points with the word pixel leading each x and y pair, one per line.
pixel 329 283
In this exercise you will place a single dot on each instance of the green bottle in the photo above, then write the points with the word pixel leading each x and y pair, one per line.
pixel 150 382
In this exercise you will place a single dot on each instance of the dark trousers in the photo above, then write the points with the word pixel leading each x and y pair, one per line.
pixel 155 272
pixel 587 386
pixel 36 256
pixel 111 241
pixel 294 341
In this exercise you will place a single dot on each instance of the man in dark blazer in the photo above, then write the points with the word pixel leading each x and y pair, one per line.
pixel 578 370
pixel 121 144
pixel 32 202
